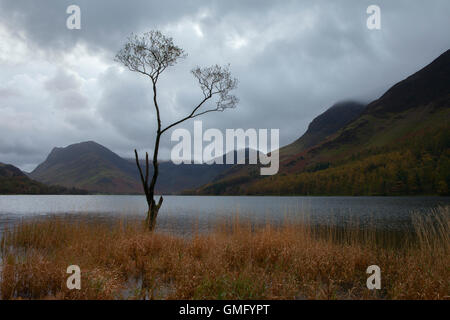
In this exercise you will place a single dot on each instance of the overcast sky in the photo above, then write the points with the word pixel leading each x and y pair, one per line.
pixel 293 59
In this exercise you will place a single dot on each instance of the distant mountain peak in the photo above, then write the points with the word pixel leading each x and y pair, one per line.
pixel 327 123
pixel 337 116
pixel 88 165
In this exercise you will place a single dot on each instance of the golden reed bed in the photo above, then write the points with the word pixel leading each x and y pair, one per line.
pixel 294 261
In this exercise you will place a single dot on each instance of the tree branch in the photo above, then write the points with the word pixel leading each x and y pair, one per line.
pixel 190 116
pixel 144 184
pixel 146 168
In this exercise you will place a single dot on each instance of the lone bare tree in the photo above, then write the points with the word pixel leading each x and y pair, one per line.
pixel 151 54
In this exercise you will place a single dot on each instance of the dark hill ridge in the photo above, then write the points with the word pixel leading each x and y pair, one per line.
pixel 9 171
pixel 79 152
pixel 90 166
pixel 14 181
pixel 419 102
pixel 398 145
pixel 324 125
pixel 430 84
pixel 334 118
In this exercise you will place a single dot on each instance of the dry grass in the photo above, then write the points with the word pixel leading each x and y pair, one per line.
pixel 234 262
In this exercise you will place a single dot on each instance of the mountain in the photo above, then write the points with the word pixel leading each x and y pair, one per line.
pixel 324 125
pixel 329 122
pixel 174 179
pixel 398 145
pixel 14 181
pixel 91 166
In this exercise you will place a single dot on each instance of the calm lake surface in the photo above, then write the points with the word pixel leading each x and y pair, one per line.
pixel 179 213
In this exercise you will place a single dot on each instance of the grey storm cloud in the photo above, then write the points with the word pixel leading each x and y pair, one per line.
pixel 63 81
pixel 293 59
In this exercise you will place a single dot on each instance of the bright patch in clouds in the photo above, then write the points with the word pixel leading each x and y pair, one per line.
pixel 198 30
pixel 13 49
pixel 237 42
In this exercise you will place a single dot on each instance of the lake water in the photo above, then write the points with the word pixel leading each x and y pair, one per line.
pixel 186 212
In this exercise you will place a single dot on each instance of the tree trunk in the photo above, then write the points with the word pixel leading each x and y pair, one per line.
pixel 152 214
pixel 149 190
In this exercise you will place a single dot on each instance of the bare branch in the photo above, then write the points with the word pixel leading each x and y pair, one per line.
pixel 146 168
pixel 215 81
pixel 149 54
pixel 144 182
